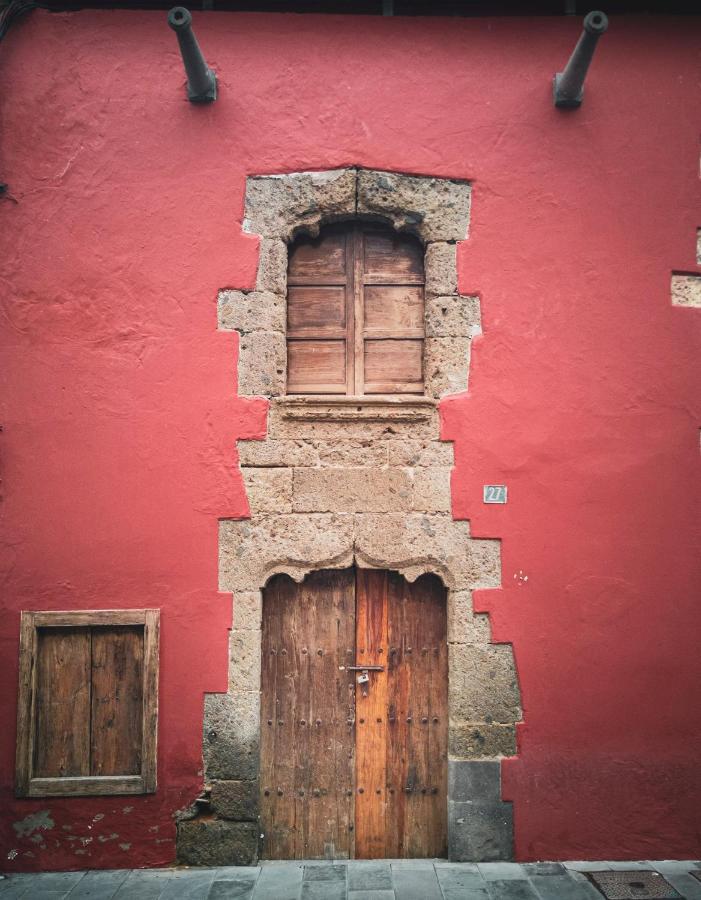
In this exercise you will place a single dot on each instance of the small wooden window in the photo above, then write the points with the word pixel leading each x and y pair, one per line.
pixel 355 313
pixel 88 703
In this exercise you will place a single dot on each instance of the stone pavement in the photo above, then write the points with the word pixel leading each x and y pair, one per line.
pixel 357 880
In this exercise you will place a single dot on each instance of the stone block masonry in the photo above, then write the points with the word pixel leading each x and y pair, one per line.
pixel 355 481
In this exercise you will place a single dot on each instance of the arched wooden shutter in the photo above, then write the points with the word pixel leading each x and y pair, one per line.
pixel 355 313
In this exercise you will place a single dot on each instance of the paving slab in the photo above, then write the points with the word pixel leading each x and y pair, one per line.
pixel 511 889
pixel 586 866
pixel 279 883
pixel 144 884
pixel 372 895
pixel 99 885
pixel 618 865
pixel 416 883
pixel 327 872
pixel 190 885
pixel 54 882
pixel 457 883
pixel 544 868
pixel 234 886
pixel 14 886
pixel 502 871
pixel 369 876
pixel 563 887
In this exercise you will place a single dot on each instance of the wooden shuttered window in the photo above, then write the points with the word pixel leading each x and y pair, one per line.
pixel 88 703
pixel 355 313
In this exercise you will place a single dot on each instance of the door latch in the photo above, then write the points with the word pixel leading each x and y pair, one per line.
pixel 363 678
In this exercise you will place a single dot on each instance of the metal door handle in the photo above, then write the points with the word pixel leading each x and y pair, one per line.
pixel 366 668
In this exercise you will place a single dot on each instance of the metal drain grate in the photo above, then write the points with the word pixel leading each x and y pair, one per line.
pixel 635 885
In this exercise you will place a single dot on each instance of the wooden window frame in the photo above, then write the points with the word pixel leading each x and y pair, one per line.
pixel 26 785
pixel 355 333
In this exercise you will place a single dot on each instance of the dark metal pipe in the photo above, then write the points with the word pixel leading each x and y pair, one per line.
pixel 201 80
pixel 568 86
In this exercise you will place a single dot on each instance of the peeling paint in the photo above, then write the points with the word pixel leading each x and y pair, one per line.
pixel 33 822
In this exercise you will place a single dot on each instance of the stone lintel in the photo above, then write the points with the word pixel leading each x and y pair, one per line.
pixel 344 409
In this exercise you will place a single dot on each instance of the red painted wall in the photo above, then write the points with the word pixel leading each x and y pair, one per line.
pixel 120 417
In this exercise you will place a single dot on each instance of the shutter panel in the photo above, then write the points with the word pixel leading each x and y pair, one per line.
pixel 355 313
pixel 62 741
pixel 117 700
pixel 393 313
pixel 317 315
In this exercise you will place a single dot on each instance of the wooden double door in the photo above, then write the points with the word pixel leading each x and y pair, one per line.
pixel 354 716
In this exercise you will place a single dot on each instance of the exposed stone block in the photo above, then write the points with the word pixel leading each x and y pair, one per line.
pixel 451 316
pixel 431 490
pixel 486 559
pixel 483 685
pixel 441 269
pixel 247 311
pixel 248 611
pixel 326 422
pixel 272 267
pixel 446 361
pixel 479 832
pixel 232 736
pixel 474 782
pixel 434 208
pixel 244 660
pixel 426 542
pixel 686 290
pixel 211 842
pixel 464 625
pixel 351 490
pixel 251 551
pixel 277 453
pixel 351 453
pixel 236 800
pixel 262 363
pixel 268 490
pixel 481 740
pixel 408 452
pixel 277 205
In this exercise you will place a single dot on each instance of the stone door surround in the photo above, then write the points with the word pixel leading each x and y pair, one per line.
pixel 355 481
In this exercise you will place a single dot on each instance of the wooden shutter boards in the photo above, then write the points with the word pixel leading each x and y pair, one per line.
pixel 88 703
pixel 355 313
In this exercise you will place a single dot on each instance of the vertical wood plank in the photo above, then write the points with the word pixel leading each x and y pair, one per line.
pixel 371 715
pixel 149 760
pixel 419 687
pixel 277 763
pixel 117 701
pixel 26 704
pixel 358 310
pixel 62 705
pixel 350 312
pixel 307 726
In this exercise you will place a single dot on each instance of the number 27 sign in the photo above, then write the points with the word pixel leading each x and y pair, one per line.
pixel 494 493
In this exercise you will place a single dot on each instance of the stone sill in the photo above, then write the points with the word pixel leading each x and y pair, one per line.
pixel 336 408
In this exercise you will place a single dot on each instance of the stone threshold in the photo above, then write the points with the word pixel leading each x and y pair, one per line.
pixel 378 408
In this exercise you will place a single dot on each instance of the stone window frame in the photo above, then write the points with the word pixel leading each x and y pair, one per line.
pixel 281 207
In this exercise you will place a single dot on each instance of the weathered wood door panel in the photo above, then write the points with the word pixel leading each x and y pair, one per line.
pixel 348 767
pixel 401 717
pixel 307 717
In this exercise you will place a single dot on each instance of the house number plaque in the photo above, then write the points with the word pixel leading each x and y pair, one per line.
pixel 494 493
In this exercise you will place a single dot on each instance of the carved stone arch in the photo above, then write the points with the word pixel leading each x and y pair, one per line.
pixel 366 482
